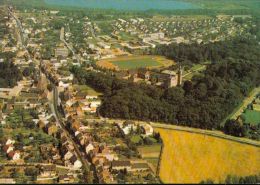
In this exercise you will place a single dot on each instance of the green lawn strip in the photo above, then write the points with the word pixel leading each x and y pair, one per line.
pixel 85 88
pixel 136 139
pixel 252 116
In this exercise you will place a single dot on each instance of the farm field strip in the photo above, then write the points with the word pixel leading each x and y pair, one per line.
pixel 192 157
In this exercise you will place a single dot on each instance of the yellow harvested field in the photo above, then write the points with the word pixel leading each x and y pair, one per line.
pixel 191 158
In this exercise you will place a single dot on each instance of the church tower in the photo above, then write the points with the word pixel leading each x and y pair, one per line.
pixel 179 74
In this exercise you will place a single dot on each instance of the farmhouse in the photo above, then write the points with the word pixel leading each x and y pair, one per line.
pixel 147 129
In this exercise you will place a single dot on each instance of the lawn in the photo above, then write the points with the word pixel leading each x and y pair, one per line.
pixel 85 88
pixel 252 116
pixel 136 63
pixel 136 139
pixel 191 158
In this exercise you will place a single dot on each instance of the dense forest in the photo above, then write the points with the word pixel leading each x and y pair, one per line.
pixel 203 102
pixel 9 74
pixel 239 48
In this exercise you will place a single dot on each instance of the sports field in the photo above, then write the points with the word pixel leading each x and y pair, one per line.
pixel 134 62
pixel 191 158
pixel 252 116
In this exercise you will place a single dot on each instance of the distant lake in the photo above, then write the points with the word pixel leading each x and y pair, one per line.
pixel 138 5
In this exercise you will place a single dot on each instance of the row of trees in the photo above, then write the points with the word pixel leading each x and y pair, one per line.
pixel 203 102
pixel 233 179
pixel 241 129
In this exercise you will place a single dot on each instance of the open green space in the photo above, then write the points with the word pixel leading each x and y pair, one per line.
pixel 136 139
pixel 85 88
pixel 252 117
pixel 136 63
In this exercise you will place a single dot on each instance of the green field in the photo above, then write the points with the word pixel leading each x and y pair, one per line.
pixel 85 88
pixel 136 63
pixel 252 116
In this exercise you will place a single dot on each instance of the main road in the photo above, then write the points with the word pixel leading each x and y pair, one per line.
pixel 61 123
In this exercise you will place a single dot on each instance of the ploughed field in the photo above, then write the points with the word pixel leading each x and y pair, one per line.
pixel 135 62
pixel 191 158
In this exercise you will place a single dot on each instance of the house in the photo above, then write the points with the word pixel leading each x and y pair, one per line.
pixel 89 147
pixel 89 97
pixel 8 148
pixel 41 124
pixel 121 165
pixel 9 141
pixel 75 124
pixel 147 129
pixel 126 127
pixel 14 155
pixel 66 178
pixel 138 167
pixel 144 74
pixel 47 170
pixel 61 133
pixel 75 162
pixel 51 129
pixel 64 84
pixel 68 155
pixel 95 104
